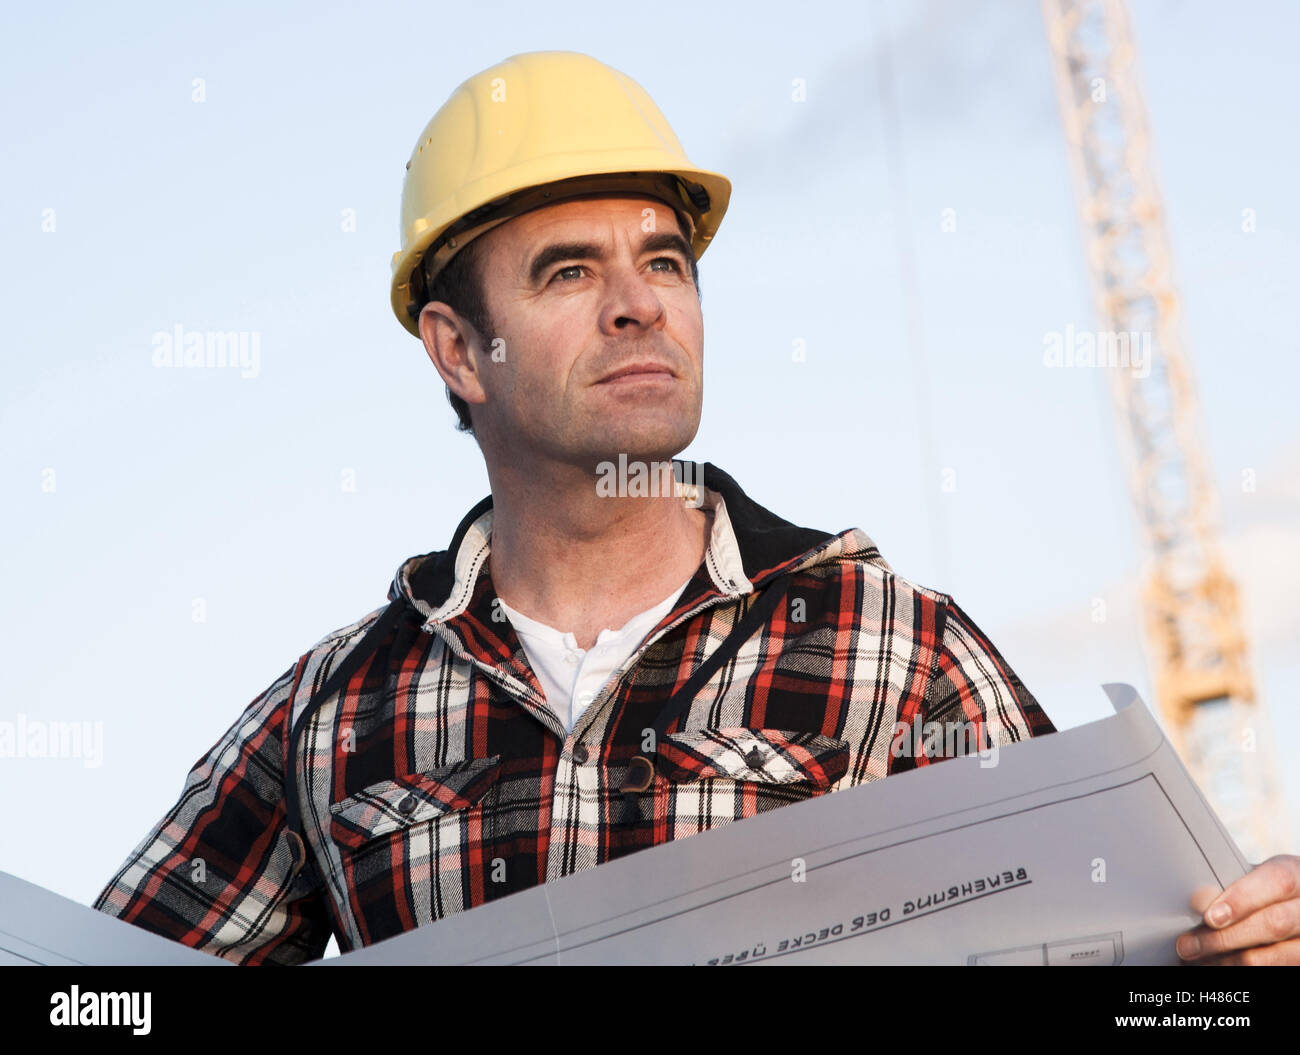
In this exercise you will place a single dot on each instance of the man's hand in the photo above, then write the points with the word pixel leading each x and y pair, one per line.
pixel 1261 924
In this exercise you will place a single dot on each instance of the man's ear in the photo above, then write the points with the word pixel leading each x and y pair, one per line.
pixel 455 350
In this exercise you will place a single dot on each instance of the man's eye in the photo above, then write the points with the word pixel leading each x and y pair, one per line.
pixel 571 267
pixel 671 261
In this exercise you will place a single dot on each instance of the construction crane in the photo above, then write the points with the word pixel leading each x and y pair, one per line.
pixel 1195 641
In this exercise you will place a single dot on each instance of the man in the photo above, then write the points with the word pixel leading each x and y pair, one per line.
pixel 617 649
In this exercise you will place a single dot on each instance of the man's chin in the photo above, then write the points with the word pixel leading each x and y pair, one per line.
pixel 650 439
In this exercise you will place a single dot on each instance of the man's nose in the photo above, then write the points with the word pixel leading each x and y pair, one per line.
pixel 630 300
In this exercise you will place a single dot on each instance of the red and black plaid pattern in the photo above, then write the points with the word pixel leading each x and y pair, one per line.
pixel 438 779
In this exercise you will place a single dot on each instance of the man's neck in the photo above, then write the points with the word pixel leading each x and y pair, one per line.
pixel 581 561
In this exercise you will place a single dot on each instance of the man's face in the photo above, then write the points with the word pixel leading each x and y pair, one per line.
pixel 602 330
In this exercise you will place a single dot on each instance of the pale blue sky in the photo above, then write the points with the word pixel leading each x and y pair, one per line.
pixel 180 485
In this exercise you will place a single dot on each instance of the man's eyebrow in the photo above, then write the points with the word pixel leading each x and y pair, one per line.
pixel 554 254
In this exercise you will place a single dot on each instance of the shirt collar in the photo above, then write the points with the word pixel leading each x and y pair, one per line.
pixel 748 545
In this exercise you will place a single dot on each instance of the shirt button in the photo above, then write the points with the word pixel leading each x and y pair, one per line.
pixel 581 754
pixel 754 759
pixel 406 805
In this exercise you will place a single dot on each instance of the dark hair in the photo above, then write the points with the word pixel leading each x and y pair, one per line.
pixel 460 286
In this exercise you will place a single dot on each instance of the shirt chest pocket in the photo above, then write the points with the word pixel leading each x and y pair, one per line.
pixel 361 821
pixel 712 776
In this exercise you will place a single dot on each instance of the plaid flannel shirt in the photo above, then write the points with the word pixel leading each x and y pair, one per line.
pixel 438 779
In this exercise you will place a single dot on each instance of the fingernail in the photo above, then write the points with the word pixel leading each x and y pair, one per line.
pixel 1218 915
pixel 1188 946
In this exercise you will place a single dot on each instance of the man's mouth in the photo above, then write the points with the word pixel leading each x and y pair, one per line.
pixel 635 372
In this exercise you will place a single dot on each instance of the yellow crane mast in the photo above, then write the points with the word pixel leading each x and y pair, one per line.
pixel 1195 641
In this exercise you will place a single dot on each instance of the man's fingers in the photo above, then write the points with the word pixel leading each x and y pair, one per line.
pixel 1275 923
pixel 1277 879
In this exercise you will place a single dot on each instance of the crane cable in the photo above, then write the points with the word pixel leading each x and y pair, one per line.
pixel 914 342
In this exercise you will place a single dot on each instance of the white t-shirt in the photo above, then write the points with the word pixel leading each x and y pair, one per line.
pixel 572 677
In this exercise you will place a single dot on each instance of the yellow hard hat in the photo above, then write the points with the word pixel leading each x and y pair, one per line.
pixel 532 130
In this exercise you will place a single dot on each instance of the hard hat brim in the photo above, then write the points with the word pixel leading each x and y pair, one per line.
pixel 702 195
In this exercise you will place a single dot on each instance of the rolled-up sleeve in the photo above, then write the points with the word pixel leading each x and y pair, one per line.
pixel 217 872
